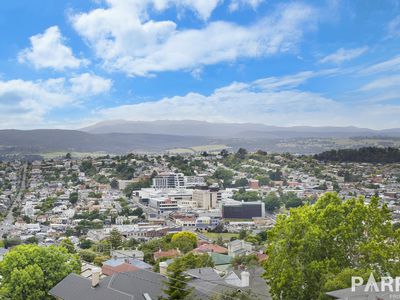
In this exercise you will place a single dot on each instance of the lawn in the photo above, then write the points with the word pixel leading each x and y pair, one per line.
pixel 225 236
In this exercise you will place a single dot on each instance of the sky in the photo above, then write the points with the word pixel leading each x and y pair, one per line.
pixel 69 64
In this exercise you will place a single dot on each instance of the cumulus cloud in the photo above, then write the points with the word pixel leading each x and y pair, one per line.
pixel 49 51
pixel 89 84
pixel 26 103
pixel 237 102
pixel 127 40
pixel 343 55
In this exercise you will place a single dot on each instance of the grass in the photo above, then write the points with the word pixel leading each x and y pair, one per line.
pixel 225 236
pixel 49 155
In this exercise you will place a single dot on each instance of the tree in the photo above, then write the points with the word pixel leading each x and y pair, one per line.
pixel 272 202
pixel 87 255
pixel 225 175
pixel 193 261
pixel 184 241
pixel 235 294
pixel 309 249
pixel 176 286
pixel 73 197
pixel 242 234
pixel 241 154
pixel 114 184
pixel 68 156
pixel 30 271
pixel 115 238
pixel 32 240
pixel 67 244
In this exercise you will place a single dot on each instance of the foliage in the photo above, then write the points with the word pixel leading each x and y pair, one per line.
pixel 225 175
pixel 245 260
pixel 365 154
pixel 272 202
pixel 87 255
pixel 115 239
pixel 184 241
pixel 114 184
pixel 67 244
pixel 309 249
pixel 192 261
pixel 235 294
pixel 242 195
pixel 134 186
pixel 30 271
pixel 176 286
pixel 73 197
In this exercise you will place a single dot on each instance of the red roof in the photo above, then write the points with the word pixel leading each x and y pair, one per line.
pixel 211 248
pixel 124 267
pixel 169 253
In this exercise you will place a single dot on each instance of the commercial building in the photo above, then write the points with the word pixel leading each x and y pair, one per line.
pixel 206 198
pixel 243 210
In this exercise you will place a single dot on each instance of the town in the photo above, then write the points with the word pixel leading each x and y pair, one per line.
pixel 142 214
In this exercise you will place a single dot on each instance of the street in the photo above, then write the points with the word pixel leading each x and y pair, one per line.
pixel 6 224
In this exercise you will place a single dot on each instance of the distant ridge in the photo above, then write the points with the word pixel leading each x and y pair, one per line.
pixel 232 130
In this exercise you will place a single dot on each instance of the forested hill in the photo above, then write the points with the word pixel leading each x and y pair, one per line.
pixel 366 154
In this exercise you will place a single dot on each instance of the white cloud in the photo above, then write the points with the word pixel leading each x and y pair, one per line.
pixel 125 39
pixel 235 5
pixel 238 102
pixel 383 83
pixel 49 51
pixel 203 8
pixel 26 103
pixel 273 101
pixel 390 65
pixel 393 28
pixel 343 55
pixel 89 84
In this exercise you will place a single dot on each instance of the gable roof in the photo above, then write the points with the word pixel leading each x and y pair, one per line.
pixel 75 287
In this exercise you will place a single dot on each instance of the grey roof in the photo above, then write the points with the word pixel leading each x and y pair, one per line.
pixel 119 286
pixel 76 287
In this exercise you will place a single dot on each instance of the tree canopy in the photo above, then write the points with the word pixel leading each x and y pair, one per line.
pixel 317 247
pixel 365 154
pixel 30 271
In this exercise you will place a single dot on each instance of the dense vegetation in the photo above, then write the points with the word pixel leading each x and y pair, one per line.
pixel 365 154
pixel 317 248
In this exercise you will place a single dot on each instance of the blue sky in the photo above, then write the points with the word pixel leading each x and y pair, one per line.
pixel 67 64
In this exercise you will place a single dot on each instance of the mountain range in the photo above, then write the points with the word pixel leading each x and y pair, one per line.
pixel 121 136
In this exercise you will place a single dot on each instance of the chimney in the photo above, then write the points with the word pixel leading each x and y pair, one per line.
pixel 163 268
pixel 95 276
pixel 245 278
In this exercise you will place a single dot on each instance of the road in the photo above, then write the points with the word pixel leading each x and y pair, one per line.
pixel 5 225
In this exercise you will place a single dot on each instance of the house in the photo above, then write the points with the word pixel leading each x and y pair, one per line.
pixel 206 248
pixel 148 285
pixel 222 262
pixel 169 253
pixel 239 247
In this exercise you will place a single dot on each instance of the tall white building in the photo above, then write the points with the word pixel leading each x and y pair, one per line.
pixel 169 181
pixel 206 198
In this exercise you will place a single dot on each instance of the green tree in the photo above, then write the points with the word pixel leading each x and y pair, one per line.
pixel 87 255
pixel 73 197
pixel 309 249
pixel 176 286
pixel 115 238
pixel 30 271
pixel 184 240
pixel 114 184
pixel 235 294
pixel 272 202
pixel 67 244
